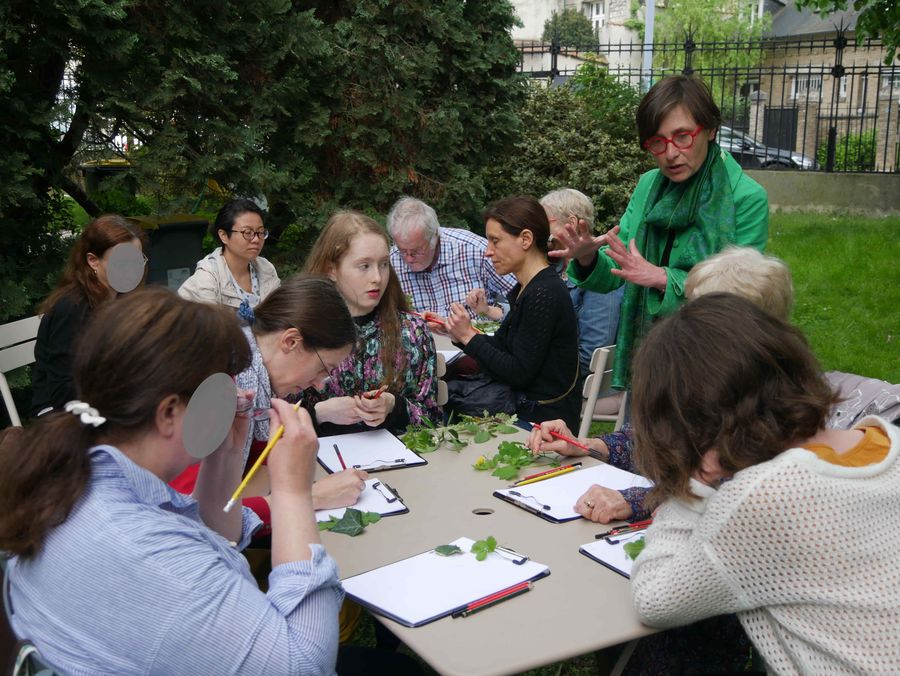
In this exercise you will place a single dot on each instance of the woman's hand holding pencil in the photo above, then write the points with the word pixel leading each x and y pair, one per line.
pixel 555 436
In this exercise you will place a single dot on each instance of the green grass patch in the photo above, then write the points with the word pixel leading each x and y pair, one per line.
pixel 846 288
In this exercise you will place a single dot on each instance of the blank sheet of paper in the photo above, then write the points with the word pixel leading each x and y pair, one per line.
pixel 372 499
pixel 372 451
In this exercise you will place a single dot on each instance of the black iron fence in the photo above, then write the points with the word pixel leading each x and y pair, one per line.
pixel 814 104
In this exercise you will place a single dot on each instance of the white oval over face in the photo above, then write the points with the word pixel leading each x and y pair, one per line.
pixel 209 415
pixel 124 265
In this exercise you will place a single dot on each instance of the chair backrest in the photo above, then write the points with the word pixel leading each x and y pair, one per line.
pixel 599 380
pixel 443 395
pixel 17 340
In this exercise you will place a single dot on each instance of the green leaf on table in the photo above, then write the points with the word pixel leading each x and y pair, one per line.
pixel 481 548
pixel 352 523
pixel 447 550
pixel 507 472
pixel 632 549
pixel 506 429
pixel 481 436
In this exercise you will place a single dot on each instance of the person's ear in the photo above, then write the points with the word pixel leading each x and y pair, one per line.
pixel 526 237
pixel 223 235
pixel 331 272
pixel 93 261
pixel 290 339
pixel 712 134
pixel 166 415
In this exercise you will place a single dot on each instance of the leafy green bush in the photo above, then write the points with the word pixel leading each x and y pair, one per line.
pixel 852 152
pixel 571 28
pixel 563 144
pixel 612 103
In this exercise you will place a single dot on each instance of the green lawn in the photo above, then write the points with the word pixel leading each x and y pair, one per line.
pixel 846 273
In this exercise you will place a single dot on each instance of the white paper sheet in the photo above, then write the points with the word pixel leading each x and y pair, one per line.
pixel 370 500
pixel 613 555
pixel 427 586
pixel 450 355
pixel 560 493
pixel 371 451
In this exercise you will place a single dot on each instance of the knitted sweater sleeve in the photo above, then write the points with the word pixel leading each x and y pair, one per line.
pixel 519 361
pixel 677 579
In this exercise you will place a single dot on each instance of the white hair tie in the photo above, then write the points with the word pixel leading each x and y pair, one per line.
pixel 85 412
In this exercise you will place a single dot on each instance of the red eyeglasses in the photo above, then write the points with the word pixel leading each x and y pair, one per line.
pixel 682 140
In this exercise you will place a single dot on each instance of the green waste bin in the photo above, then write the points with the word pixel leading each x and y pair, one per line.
pixel 176 244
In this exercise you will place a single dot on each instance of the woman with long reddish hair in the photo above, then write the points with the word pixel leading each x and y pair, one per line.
pixel 84 287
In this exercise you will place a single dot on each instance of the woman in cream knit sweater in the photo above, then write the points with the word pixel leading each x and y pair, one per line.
pixel 764 512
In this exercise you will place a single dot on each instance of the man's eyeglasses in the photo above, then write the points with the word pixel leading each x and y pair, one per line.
pixel 250 234
pixel 412 253
pixel 682 140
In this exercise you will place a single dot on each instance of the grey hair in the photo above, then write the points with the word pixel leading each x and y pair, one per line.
pixel 409 213
pixel 746 272
pixel 567 202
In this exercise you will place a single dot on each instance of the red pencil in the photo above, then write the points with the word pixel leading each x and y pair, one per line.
pixel 428 319
pixel 491 599
pixel 563 437
pixel 340 457
pixel 381 390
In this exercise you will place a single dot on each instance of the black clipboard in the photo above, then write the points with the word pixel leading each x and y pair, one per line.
pixel 533 509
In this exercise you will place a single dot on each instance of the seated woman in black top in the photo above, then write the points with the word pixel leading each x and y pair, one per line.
pixel 83 288
pixel 535 350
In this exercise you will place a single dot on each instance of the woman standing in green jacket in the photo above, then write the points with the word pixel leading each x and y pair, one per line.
pixel 693 205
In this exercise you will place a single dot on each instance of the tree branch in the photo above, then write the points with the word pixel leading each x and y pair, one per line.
pixel 76 193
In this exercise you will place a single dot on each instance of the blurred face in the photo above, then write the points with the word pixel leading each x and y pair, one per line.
pixel 415 249
pixel 362 274
pixel 507 252
pixel 99 264
pixel 250 224
pixel 679 164
pixel 304 367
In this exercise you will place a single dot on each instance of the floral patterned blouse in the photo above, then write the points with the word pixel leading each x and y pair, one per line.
pixel 363 371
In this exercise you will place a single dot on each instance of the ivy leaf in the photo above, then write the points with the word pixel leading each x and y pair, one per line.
pixel 447 550
pixel 352 523
pixel 632 549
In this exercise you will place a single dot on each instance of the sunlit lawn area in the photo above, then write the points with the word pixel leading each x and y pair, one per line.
pixel 847 288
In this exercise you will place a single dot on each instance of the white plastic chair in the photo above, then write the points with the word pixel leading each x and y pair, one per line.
pixel 17 341
pixel 599 380
pixel 443 395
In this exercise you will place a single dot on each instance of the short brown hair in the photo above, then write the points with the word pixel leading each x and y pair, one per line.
pixel 673 91
pixel 722 374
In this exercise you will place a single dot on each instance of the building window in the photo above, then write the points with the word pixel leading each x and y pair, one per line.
pixel 806 85
pixel 842 87
pixel 596 12
pixel 889 84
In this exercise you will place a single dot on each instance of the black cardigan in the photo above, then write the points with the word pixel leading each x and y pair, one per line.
pixel 535 350
pixel 51 379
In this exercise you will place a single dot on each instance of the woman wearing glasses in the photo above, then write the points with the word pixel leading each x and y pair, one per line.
pixel 84 287
pixel 696 202
pixel 234 274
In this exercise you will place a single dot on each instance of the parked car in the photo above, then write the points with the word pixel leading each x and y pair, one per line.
pixel 751 154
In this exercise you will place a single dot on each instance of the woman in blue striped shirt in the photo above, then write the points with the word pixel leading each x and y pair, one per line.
pixel 114 571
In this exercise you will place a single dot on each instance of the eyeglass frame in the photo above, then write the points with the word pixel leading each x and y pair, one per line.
pixel 413 253
pixel 249 235
pixel 325 368
pixel 666 141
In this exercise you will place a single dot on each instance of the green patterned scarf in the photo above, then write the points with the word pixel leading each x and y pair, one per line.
pixel 700 211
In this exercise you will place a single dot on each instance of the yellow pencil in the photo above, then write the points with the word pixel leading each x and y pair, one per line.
pixel 259 461
pixel 549 475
